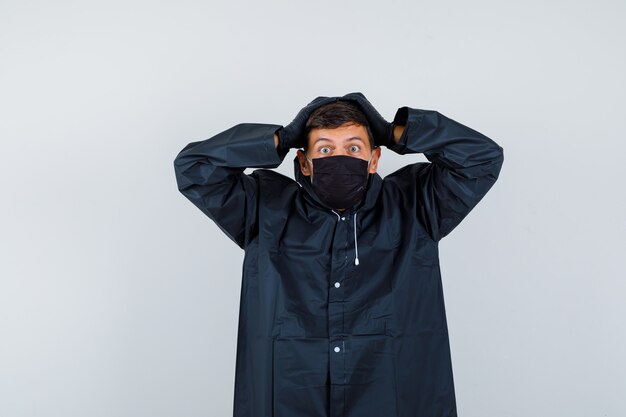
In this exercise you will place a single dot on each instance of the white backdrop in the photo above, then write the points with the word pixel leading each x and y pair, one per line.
pixel 119 298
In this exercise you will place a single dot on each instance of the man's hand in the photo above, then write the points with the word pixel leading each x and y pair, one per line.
pixel 399 123
pixel 381 129
pixel 292 135
pixel 385 133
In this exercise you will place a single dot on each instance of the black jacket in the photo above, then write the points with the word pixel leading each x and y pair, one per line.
pixel 319 335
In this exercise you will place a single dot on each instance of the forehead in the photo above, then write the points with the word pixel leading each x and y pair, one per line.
pixel 339 135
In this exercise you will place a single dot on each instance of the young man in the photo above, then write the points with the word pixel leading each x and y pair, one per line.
pixel 342 311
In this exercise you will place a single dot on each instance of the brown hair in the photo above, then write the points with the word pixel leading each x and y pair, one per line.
pixel 335 114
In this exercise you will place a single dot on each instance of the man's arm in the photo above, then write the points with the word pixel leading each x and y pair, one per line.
pixel 210 173
pixel 464 165
pixel 397 132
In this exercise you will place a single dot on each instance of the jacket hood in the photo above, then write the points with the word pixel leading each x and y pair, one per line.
pixel 374 184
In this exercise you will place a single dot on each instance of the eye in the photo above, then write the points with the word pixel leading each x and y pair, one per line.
pixel 355 148
pixel 324 150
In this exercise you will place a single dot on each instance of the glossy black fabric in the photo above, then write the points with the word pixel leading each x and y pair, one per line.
pixel 319 335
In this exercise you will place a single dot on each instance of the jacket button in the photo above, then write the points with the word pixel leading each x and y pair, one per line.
pixel 343 218
pixel 337 349
pixel 337 285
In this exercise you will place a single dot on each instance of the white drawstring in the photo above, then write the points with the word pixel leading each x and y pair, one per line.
pixel 356 247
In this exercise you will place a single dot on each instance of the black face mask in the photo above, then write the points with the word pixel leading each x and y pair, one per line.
pixel 340 181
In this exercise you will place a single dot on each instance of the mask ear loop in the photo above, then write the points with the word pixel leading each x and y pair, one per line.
pixel 311 162
pixel 368 166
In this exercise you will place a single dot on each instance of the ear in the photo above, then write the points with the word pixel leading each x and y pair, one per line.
pixel 374 161
pixel 304 164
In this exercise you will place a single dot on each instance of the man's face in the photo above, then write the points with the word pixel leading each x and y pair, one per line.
pixel 347 139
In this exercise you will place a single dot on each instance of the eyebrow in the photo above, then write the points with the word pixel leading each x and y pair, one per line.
pixel 345 140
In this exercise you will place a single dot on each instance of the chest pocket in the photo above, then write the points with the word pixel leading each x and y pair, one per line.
pixel 372 327
pixel 377 242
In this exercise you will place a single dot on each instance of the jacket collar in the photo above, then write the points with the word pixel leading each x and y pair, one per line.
pixel 374 184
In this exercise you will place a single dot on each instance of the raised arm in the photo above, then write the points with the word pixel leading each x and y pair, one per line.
pixel 210 173
pixel 464 165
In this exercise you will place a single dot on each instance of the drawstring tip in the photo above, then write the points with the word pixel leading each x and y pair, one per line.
pixel 356 261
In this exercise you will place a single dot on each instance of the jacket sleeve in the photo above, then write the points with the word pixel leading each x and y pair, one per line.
pixel 464 165
pixel 210 173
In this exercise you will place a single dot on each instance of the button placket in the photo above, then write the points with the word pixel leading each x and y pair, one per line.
pixel 336 325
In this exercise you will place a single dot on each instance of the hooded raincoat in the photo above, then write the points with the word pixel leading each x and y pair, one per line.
pixel 321 334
